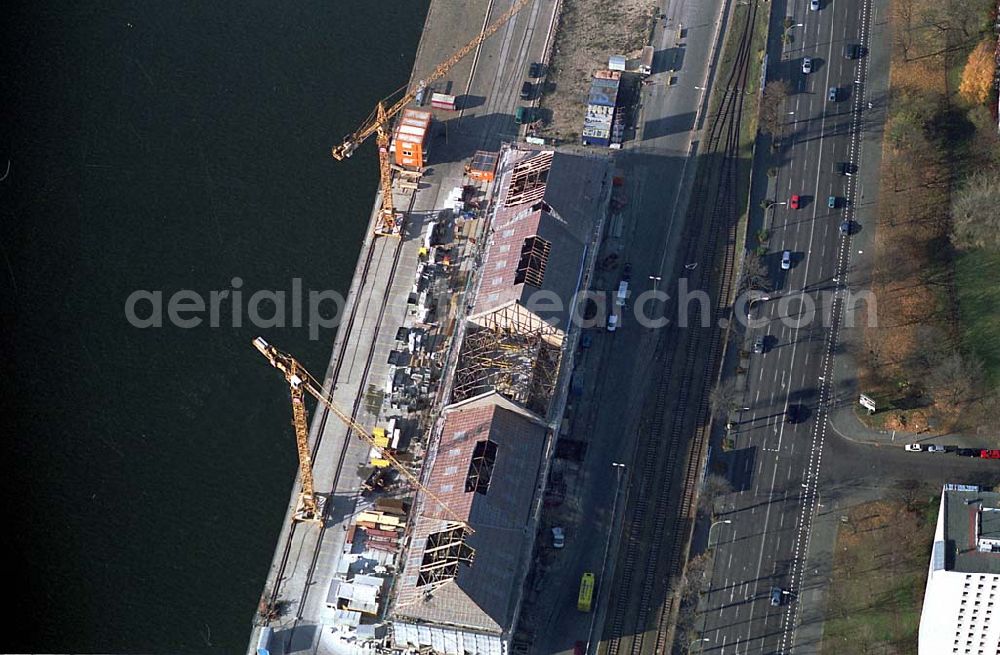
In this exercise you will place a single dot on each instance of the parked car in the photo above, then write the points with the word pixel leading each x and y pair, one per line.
pixel 813 5
pixel 524 115
pixel 526 89
pixel 758 345
pixel 586 340
pixel 990 454
pixel 807 65
pixel 558 537
pixel 776 595
pixel 934 448
pixel 786 260
pixel 845 227
pixel 627 272
pixel 913 448
pixel 831 202
pixel 968 452
pixel 833 94
pixel 535 70
pixel 794 201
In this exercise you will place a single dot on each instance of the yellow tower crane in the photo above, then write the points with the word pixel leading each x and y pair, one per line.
pixel 309 507
pixel 378 121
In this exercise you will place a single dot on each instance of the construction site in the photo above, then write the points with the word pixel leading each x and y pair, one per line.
pixel 423 468
pixel 454 469
pixel 458 457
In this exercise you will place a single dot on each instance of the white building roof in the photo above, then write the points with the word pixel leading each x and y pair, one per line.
pixel 963 579
pixel 447 641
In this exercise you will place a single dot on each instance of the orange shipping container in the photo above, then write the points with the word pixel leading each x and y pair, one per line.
pixel 483 167
pixel 409 138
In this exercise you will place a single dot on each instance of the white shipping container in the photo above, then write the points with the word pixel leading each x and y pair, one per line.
pixel 443 101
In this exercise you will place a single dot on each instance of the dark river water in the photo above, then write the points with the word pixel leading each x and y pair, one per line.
pixel 167 146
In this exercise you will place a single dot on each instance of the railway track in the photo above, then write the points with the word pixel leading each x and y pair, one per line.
pixel 629 621
pixel 324 417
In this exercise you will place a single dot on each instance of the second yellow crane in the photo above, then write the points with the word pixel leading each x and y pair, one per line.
pixel 310 506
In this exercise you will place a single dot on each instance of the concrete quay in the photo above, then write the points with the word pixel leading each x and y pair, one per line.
pixel 307 556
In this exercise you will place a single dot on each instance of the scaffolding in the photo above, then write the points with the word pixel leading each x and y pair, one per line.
pixel 512 351
pixel 443 552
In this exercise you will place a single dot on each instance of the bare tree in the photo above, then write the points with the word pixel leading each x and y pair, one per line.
pixel 723 398
pixel 755 275
pixel 908 493
pixel 903 13
pixel 772 105
pixel 976 221
pixel 715 486
pixel 955 379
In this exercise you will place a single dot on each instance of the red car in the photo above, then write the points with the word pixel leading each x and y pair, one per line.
pixel 989 454
pixel 794 202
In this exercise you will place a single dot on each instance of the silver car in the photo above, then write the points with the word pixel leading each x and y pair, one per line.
pixel 807 65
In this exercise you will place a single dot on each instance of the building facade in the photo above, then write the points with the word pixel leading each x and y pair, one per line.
pixel 961 611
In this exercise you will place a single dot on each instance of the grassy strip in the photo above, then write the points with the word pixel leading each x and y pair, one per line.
pixel 879 573
pixel 977 278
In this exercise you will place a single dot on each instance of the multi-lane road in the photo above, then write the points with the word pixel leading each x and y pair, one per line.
pixel 616 372
pixel 791 475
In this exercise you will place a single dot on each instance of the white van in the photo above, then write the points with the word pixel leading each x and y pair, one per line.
pixel 622 293
pixel 613 321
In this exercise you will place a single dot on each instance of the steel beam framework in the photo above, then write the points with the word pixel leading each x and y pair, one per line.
pixel 513 352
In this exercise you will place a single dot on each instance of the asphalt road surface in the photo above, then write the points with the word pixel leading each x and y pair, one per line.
pixel 790 476
pixel 656 168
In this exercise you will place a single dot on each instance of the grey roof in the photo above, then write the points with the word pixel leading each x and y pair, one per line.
pixel 563 213
pixel 482 595
pixel 968 517
pixel 603 91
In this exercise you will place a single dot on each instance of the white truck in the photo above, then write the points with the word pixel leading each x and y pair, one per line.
pixel 622 293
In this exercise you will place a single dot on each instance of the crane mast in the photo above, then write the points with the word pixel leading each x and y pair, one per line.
pixel 307 508
pixel 299 380
pixel 378 121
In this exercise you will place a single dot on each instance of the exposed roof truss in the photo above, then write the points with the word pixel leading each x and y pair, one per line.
pixel 527 180
pixel 484 456
pixel 443 552
pixel 534 258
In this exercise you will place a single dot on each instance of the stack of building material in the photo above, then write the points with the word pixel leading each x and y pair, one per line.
pixel 380 520
pixel 385 540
